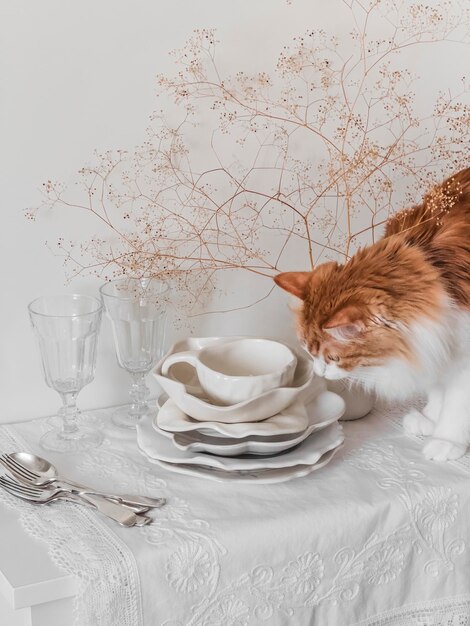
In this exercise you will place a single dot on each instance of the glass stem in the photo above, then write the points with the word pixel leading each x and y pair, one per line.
pixel 69 413
pixel 139 393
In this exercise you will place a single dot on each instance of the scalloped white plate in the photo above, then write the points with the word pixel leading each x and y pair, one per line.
pixel 253 410
pixel 322 411
pixel 263 477
pixel 294 419
pixel 157 446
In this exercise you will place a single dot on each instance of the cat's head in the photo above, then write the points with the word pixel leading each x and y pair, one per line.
pixel 353 316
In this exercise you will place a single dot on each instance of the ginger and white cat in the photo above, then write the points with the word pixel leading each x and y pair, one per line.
pixel 396 317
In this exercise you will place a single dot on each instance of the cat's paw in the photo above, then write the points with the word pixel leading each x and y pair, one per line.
pixel 416 423
pixel 442 450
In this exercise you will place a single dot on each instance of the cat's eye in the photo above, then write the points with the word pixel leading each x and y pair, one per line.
pixel 330 357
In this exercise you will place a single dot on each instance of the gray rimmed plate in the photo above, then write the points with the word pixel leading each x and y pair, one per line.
pixel 325 409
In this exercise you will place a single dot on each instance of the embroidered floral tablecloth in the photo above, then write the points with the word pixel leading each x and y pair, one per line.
pixel 378 537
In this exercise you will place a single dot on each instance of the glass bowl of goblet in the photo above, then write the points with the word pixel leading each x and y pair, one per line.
pixel 137 309
pixel 67 330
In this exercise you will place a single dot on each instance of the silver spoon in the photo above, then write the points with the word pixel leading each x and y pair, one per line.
pixel 40 472
pixel 33 480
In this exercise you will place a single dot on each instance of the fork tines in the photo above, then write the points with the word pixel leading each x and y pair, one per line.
pixel 13 466
pixel 16 488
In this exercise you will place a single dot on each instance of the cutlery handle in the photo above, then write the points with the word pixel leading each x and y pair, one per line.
pixel 144 501
pixel 141 520
pixel 117 512
pixel 140 504
pixel 126 499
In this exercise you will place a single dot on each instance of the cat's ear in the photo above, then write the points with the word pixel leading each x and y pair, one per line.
pixel 293 282
pixel 346 324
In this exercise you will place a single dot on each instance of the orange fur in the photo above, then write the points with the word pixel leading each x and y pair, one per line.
pixel 354 313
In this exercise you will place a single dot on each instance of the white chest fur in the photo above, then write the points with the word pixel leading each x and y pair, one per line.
pixel 441 349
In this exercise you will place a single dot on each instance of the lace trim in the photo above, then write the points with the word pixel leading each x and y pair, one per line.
pixel 191 573
pixel 79 543
pixel 450 612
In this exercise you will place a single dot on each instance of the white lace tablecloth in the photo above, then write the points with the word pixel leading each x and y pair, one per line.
pixel 380 536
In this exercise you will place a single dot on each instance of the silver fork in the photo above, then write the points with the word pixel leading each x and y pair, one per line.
pixel 124 517
pixel 39 496
pixel 139 504
pixel 26 477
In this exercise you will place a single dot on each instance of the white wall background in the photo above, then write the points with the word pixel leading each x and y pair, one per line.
pixel 79 76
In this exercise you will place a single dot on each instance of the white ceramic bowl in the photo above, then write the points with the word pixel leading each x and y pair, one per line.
pixel 358 402
pixel 171 419
pixel 304 384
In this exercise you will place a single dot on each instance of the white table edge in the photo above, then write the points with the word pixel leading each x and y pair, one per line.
pixel 38 593
pixel 28 575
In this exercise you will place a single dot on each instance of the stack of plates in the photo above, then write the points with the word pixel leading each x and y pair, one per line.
pixel 229 445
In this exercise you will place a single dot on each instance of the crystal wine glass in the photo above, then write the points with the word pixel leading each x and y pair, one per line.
pixel 67 329
pixel 137 310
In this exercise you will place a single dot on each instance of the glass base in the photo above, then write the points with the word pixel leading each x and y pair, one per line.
pixel 81 439
pixel 123 418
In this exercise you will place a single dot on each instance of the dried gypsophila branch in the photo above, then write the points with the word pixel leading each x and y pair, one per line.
pixel 350 103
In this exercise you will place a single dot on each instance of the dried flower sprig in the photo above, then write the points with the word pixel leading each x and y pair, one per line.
pixel 290 163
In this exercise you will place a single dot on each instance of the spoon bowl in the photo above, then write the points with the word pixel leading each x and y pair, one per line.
pixel 44 470
pixel 39 472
